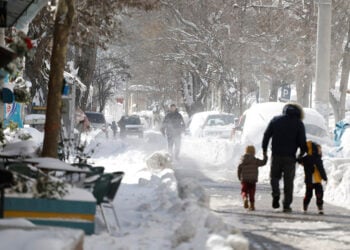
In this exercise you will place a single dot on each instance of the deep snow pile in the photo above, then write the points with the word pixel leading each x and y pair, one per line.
pixel 154 209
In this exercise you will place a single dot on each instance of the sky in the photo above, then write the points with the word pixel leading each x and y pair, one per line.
pixel 159 209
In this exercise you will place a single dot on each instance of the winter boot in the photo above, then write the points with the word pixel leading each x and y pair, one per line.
pixel 245 203
pixel 304 208
pixel 275 202
pixel 287 209
pixel 320 209
pixel 252 206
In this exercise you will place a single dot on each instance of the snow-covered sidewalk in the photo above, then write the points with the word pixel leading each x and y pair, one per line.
pixel 155 210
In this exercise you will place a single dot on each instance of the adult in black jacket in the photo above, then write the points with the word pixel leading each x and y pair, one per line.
pixel 173 126
pixel 288 134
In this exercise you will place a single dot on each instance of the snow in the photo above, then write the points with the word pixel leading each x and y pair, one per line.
pixel 78 194
pixel 155 209
pixel 159 210
pixel 198 120
pixel 54 164
pixel 73 194
pixel 259 115
pixel 72 78
pixel 21 234
pixel 21 148
pixel 35 119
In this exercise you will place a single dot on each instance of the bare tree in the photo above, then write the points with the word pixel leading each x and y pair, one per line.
pixel 110 74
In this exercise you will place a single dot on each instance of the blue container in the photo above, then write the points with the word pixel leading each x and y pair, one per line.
pixel 66 89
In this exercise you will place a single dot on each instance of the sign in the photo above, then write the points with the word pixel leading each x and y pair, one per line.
pixel 13 113
pixel 285 93
pixel 3 14
pixel 120 100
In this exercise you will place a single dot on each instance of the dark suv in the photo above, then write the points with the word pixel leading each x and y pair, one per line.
pixel 130 125
pixel 97 121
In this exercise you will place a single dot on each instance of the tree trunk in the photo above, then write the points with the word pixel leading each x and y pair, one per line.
pixel 338 105
pixel 86 63
pixel 344 77
pixel 63 23
pixel 305 81
pixel 274 91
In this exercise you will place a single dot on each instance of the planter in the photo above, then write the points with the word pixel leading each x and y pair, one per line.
pixel 62 213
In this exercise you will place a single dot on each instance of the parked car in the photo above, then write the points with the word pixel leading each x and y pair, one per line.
pixel 211 123
pixel 97 121
pixel 254 121
pixel 36 121
pixel 131 125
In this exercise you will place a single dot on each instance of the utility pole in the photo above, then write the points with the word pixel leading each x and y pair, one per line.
pixel 323 57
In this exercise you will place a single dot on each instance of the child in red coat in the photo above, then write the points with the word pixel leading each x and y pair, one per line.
pixel 248 175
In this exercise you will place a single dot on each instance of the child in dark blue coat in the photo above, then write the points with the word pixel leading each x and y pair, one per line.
pixel 314 174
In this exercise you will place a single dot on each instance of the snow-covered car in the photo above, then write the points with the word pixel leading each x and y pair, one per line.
pixel 36 121
pixel 211 123
pixel 254 121
pixel 131 125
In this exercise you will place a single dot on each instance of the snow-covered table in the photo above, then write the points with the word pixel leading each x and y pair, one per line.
pixel 19 149
pixel 48 163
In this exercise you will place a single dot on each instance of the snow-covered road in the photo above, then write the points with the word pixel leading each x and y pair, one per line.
pixel 265 228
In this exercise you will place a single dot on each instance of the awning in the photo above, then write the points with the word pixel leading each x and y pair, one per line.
pixel 19 12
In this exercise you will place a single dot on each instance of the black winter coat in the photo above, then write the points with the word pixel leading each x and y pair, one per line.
pixel 287 132
pixel 173 124
pixel 310 162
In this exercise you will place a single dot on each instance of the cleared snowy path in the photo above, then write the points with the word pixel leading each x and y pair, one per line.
pixel 264 228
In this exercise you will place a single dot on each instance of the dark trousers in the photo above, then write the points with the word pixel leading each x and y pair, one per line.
pixel 283 166
pixel 174 144
pixel 318 192
pixel 248 190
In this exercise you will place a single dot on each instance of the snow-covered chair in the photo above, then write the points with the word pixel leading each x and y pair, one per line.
pixel 104 190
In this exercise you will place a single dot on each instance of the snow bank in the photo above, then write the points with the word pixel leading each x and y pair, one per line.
pixel 153 216
pixel 159 160
pixel 22 234
pixel 155 210
pixel 207 230
pixel 337 189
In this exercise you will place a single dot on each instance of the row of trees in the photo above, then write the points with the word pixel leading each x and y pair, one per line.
pixel 93 26
pixel 213 54
pixel 218 53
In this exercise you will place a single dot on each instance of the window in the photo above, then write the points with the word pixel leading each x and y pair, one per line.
pixel 95 117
